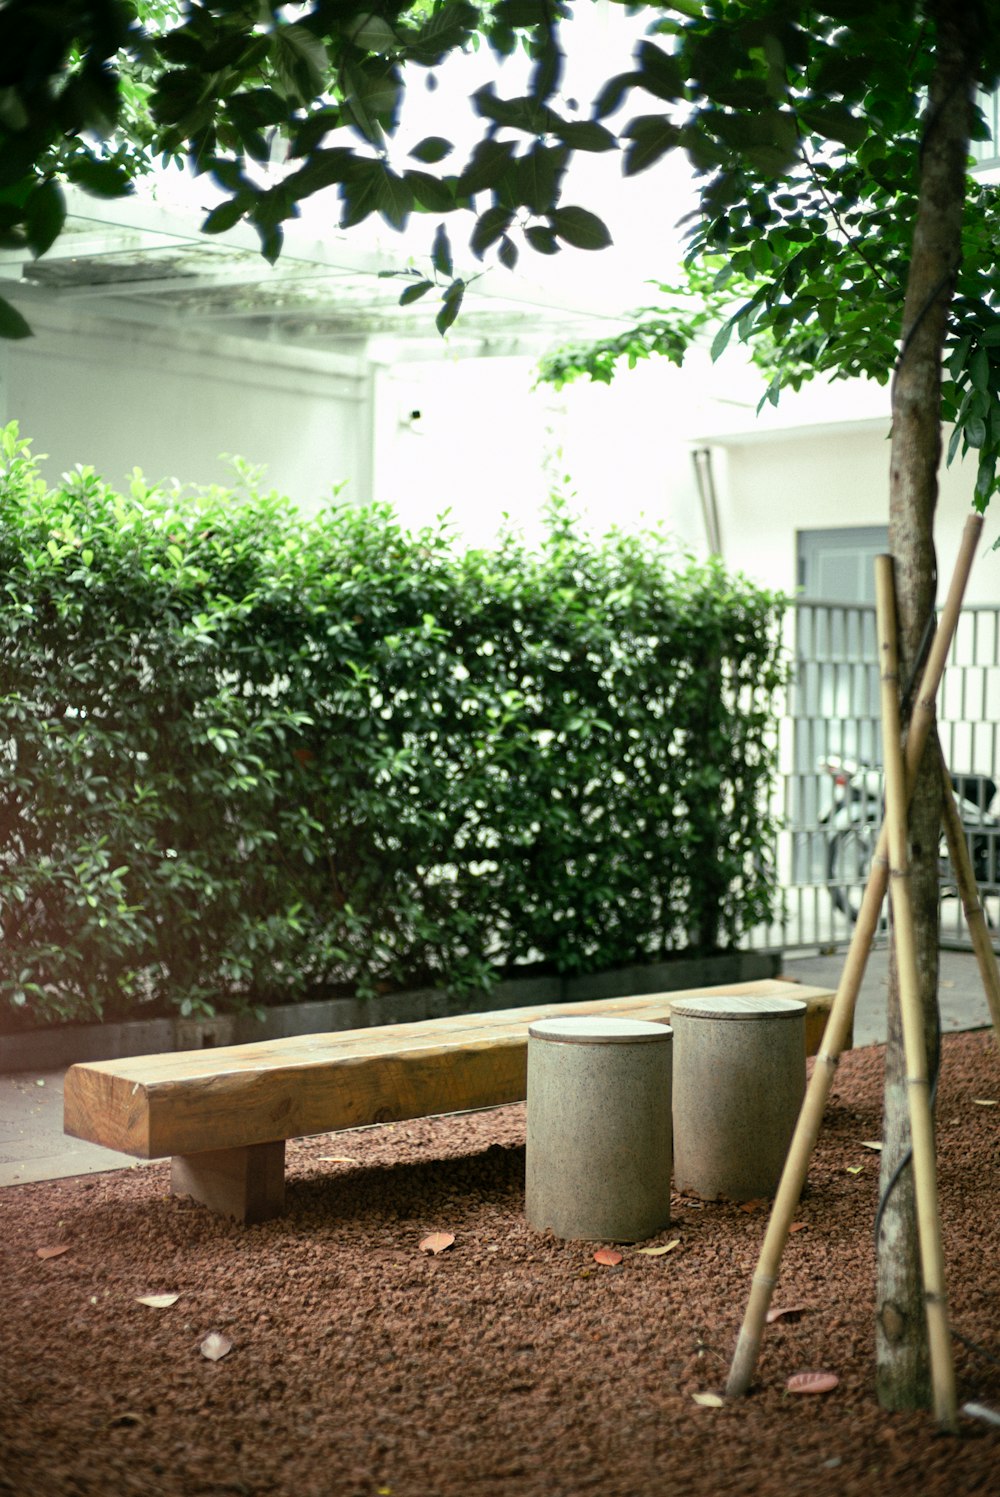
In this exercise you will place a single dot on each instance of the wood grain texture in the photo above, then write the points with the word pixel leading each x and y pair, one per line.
pixel 247 1185
pixel 192 1101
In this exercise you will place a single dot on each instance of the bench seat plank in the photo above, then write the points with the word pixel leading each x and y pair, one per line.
pixel 190 1102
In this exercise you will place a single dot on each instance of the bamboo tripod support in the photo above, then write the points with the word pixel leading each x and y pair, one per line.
pixel 911 1011
pixel 841 1014
pixel 976 920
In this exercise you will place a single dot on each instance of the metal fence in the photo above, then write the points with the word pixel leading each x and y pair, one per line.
pixel 832 715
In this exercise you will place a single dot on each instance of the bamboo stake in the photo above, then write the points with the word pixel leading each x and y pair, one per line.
pixel 838 1026
pixel 911 1012
pixel 969 892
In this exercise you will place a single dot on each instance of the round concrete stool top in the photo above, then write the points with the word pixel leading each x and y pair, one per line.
pixel 738 1006
pixel 592 1029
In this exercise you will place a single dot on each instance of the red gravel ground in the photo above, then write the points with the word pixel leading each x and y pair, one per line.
pixel 512 1365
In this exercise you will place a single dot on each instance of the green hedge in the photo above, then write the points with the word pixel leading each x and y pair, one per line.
pixel 250 758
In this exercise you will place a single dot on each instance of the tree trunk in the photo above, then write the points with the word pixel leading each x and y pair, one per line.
pixel 902 1374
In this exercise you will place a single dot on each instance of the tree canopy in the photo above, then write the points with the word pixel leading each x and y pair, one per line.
pixel 802 124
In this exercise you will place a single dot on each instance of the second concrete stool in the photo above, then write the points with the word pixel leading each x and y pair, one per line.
pixel 599 1128
pixel 739 1079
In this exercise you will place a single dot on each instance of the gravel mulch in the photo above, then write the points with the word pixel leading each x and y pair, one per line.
pixel 510 1364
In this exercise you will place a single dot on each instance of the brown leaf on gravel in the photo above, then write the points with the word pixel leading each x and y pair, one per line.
pixel 437 1242
pixel 125 1420
pixel 786 1312
pixel 753 1205
pixel 52 1252
pixel 608 1256
pixel 658 1252
pixel 157 1301
pixel 812 1382
pixel 799 1227
pixel 215 1346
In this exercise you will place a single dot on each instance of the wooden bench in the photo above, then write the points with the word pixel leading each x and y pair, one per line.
pixel 224 1114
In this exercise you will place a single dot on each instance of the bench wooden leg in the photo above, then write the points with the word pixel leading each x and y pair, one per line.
pixel 245 1184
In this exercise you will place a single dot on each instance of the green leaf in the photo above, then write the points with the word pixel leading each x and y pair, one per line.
pixel 652 136
pixel 975 431
pixel 507 253
pixel 834 122
pixel 986 477
pixel 360 195
pixel 103 179
pixel 579 227
pixel 395 199
pixel 431 149
pixel 225 216
pixel 451 306
pixel 957 357
pixel 659 72
pixel 414 293
pixel 12 324
pixel 587 135
pixel 45 215
pixel 542 239
pixel 441 256
pixel 953 442
pixel 611 95
pixel 430 193
pixel 300 61
pixel 490 160
pixel 489 228
pixel 445 29
pixel 721 340
pixel 979 369
pixel 372 34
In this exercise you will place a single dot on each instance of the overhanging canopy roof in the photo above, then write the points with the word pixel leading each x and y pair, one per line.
pixel 131 259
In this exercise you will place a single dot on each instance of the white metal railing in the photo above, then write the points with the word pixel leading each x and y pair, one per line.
pixel 831 814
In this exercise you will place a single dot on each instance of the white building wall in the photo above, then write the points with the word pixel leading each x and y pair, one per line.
pixel 772 487
pixel 118 395
pixel 478 437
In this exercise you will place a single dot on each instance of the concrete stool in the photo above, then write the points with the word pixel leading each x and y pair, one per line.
pixel 599 1125
pixel 739 1079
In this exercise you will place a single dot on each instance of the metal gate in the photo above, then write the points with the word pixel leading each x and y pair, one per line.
pixel 832 714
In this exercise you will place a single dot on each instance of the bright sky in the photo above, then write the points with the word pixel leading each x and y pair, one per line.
pixel 641 212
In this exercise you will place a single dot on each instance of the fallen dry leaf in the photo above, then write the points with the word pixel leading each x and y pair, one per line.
pixel 215 1346
pixel 126 1420
pixel 984 1102
pixel 753 1205
pixel 608 1256
pixel 337 1159
pixel 812 1382
pixel 871 1143
pixel 157 1301
pixel 785 1312
pixel 799 1227
pixel 437 1242
pixel 855 1169
pixel 52 1252
pixel 709 1400
pixel 658 1252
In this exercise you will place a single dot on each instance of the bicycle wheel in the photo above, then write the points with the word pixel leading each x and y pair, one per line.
pixel 848 862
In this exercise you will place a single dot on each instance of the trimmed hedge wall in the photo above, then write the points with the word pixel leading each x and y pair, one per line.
pixel 250 758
